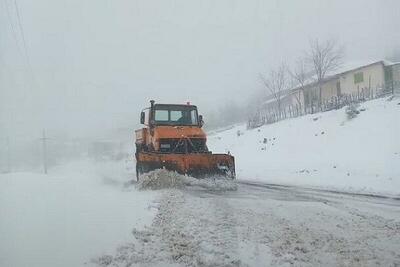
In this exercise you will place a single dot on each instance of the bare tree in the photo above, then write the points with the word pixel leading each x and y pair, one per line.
pixel 324 57
pixel 277 83
pixel 300 75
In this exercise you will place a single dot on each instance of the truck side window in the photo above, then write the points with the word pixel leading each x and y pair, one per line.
pixel 193 115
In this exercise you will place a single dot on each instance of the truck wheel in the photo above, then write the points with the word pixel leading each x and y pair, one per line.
pixel 231 174
pixel 137 171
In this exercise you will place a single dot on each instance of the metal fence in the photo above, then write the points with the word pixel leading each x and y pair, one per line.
pixel 271 115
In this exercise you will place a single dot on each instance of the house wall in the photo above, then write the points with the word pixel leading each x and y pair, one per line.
pixel 329 89
pixel 396 78
pixel 286 100
pixel 295 97
pixel 373 78
pixel 396 72
pixel 309 95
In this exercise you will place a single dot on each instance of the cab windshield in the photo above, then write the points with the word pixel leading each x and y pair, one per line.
pixel 175 115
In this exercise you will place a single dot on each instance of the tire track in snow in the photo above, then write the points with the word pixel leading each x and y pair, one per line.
pixel 261 227
pixel 185 232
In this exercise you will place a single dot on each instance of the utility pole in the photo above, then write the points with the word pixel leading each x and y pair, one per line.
pixel 44 147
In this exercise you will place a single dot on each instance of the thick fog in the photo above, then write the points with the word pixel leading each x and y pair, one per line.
pixel 82 68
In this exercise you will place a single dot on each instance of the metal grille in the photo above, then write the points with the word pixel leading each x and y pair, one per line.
pixel 174 145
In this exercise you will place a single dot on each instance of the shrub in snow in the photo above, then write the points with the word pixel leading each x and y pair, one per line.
pixel 390 98
pixel 104 260
pixel 352 111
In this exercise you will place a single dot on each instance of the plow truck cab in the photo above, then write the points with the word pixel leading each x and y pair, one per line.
pixel 173 139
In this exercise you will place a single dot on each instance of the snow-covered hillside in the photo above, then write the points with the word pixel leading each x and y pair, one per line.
pixel 322 150
pixel 75 213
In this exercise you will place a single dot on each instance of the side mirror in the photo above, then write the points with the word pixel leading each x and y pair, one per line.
pixel 201 122
pixel 142 116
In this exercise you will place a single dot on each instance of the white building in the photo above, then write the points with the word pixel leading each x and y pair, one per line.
pixel 364 80
pixel 360 82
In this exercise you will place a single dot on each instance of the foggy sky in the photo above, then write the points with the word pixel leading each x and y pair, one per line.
pixel 96 63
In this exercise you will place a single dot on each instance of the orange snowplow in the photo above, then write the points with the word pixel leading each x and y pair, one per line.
pixel 173 139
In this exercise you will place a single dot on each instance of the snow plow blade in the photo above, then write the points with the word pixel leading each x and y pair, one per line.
pixel 198 165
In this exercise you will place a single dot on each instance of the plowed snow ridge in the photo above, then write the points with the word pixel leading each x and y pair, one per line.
pixel 160 179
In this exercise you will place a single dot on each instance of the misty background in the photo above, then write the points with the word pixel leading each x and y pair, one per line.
pixel 83 70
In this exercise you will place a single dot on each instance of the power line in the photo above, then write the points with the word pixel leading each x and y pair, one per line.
pixel 24 42
pixel 22 30
pixel 2 60
pixel 14 32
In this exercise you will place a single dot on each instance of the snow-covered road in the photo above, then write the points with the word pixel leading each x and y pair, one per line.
pixel 266 225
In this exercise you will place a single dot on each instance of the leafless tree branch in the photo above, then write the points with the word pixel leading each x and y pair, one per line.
pixel 325 58
pixel 276 83
pixel 300 76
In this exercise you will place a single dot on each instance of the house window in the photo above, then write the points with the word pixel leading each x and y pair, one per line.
pixel 358 77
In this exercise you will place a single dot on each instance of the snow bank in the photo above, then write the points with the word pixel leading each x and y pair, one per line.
pixel 71 215
pixel 322 150
pixel 160 179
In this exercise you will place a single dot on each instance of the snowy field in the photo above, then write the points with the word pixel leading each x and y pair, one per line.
pixel 66 218
pixel 324 150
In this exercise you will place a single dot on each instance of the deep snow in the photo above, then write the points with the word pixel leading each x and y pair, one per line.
pixel 322 150
pixel 69 216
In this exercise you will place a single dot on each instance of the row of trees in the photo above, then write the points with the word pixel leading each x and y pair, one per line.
pixel 322 59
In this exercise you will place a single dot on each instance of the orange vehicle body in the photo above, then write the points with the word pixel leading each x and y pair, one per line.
pixel 167 132
pixel 178 147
